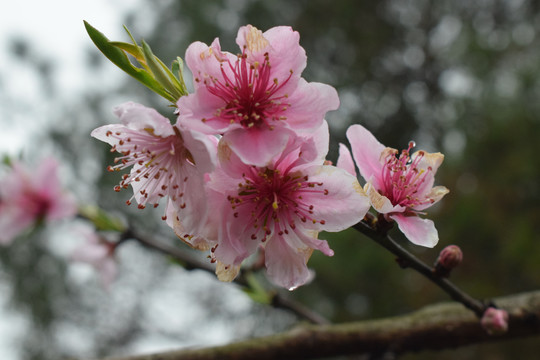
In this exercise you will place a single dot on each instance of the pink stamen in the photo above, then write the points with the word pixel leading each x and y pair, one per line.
pixel 250 95
pixel 402 178
pixel 275 200
pixel 154 156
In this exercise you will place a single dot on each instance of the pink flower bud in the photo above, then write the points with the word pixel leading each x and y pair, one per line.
pixel 449 258
pixel 495 321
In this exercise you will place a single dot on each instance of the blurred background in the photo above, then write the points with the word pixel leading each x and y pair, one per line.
pixel 456 76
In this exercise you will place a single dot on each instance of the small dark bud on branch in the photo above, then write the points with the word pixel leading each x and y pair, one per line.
pixel 495 321
pixel 449 258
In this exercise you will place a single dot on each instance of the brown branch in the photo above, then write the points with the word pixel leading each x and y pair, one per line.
pixel 435 327
pixel 191 263
pixel 409 260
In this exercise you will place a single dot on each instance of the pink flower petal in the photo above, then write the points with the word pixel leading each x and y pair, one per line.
pixel 30 194
pixel 65 206
pixel 167 161
pixel 345 160
pixel 46 177
pixel 98 253
pixel 286 266
pixel 253 42
pixel 205 61
pixel 286 47
pixel 305 150
pixel 341 204
pixel 436 194
pixel 139 117
pixel 380 202
pixel 202 148
pixel 309 104
pixel 257 146
pixel 192 206
pixel 13 221
pixel 194 110
pixel 419 231
pixel 428 161
pixel 201 241
pixel 259 92
pixel 366 150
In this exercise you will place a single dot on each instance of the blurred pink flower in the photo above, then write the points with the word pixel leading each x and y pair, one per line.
pixel 97 252
pixel 495 321
pixel 398 185
pixel 28 195
pixel 281 207
pixel 256 99
pixel 167 161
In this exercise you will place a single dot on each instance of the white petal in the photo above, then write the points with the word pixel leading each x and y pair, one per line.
pixel 379 202
pixel 226 273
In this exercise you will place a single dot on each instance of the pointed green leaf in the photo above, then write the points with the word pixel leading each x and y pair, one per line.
pixel 177 69
pixel 118 57
pixel 132 49
pixel 256 291
pixel 178 85
pixel 160 71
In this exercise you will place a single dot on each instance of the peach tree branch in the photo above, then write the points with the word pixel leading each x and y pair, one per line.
pixel 191 263
pixel 436 327
pixel 377 233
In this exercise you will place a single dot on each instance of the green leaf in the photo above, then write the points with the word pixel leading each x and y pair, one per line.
pixel 256 291
pixel 118 57
pixel 6 160
pixel 132 49
pixel 177 69
pixel 162 74
pixel 102 220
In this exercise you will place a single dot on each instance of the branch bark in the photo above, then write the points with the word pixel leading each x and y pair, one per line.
pixel 435 327
pixel 413 262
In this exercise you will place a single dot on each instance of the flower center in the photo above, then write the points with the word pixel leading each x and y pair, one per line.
pixel 157 163
pixel 275 201
pixel 251 98
pixel 35 202
pixel 402 177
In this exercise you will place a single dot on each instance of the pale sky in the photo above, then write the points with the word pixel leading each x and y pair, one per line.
pixel 55 30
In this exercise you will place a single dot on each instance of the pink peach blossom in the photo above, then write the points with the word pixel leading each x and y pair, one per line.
pixel 398 185
pixel 281 207
pixel 167 161
pixel 495 321
pixel 256 99
pixel 28 195
pixel 97 252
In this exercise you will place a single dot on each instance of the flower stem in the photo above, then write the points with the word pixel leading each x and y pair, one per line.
pixel 406 259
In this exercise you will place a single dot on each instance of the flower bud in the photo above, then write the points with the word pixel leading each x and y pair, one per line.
pixel 495 321
pixel 449 258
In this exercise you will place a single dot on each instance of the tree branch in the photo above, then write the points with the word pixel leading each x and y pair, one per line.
pixel 435 327
pixel 191 263
pixel 413 262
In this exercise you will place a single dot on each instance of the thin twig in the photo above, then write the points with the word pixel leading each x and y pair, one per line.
pixel 191 263
pixel 405 257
